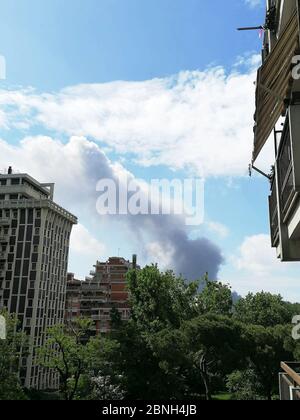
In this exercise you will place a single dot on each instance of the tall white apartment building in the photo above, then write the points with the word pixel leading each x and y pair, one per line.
pixel 34 248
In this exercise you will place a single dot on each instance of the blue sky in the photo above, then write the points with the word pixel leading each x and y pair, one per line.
pixel 160 88
pixel 52 44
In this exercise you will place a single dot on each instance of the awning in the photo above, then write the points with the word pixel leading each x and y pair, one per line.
pixel 274 82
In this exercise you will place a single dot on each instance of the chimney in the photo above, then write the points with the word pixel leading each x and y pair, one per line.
pixel 134 260
pixel 9 172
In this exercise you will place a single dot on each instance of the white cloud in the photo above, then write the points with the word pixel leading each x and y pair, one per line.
pixel 254 3
pixel 257 256
pixel 74 166
pixel 199 120
pixel 218 228
pixel 84 244
pixel 257 269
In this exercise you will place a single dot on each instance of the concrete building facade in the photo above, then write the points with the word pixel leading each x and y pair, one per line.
pixel 34 248
pixel 278 111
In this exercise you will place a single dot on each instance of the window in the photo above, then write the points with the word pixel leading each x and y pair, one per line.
pixel 30 296
pixel 21 234
pixel 33 275
pixel 30 216
pixel 13 305
pixel 22 221
pixel 29 234
pixel 22 304
pixel 15 181
pixel 16 286
pixel 27 250
pixel 25 268
pixel 36 240
pixel 18 268
pixel 19 250
pixel 8 275
pixel 24 286
pixel 28 313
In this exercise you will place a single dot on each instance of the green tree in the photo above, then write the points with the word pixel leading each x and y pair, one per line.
pixel 266 350
pixel 10 388
pixel 263 309
pixel 176 365
pixel 160 300
pixel 244 385
pixel 75 355
pixel 116 319
pixel 192 357
pixel 135 364
pixel 215 298
pixel 217 347
pixel 294 309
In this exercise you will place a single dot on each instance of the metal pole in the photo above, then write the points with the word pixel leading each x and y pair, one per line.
pixel 261 172
pixel 251 28
pixel 275 143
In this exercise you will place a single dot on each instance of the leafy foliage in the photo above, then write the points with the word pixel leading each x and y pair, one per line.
pixel 160 300
pixel 263 309
pixel 183 341
pixel 244 385
pixel 215 298
pixel 73 354
pixel 10 352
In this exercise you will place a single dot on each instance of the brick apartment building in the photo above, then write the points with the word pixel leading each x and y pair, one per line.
pixel 104 290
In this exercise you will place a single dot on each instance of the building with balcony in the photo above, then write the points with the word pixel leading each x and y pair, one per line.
pixel 73 298
pixel 102 291
pixel 277 99
pixel 289 382
pixel 34 248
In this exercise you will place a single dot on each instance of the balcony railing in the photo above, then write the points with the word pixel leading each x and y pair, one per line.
pixel 289 382
pixel 3 237
pixel 4 221
pixel 286 171
pixel 42 203
pixel 274 216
